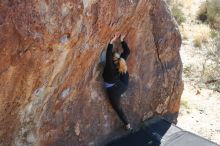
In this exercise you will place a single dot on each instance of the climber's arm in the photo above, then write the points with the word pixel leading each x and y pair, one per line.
pixel 126 50
pixel 109 60
pixel 109 57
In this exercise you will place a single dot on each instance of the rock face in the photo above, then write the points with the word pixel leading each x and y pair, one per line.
pixel 50 71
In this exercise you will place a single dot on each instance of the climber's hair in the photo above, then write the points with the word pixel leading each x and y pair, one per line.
pixel 122 66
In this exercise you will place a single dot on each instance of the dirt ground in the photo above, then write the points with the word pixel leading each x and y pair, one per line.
pixel 200 112
pixel 200 106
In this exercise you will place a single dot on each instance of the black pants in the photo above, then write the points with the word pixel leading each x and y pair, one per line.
pixel 114 94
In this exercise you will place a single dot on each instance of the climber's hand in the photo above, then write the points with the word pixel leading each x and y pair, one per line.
pixel 114 38
pixel 122 37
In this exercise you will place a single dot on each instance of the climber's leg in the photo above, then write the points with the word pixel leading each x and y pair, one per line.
pixel 115 102
pixel 114 94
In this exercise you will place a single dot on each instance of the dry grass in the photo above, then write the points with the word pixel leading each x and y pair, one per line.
pixel 202 35
pixel 211 67
pixel 213 12
pixel 198 41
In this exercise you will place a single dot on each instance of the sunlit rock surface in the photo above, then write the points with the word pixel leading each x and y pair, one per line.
pixel 51 91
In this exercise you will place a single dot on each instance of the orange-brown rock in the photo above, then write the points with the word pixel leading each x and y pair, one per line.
pixel 51 91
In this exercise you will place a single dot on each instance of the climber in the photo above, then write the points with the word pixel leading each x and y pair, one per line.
pixel 116 77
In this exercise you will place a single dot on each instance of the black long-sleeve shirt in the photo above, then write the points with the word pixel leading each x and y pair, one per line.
pixel 111 74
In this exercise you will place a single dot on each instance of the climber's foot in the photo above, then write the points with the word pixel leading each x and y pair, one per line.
pixel 128 127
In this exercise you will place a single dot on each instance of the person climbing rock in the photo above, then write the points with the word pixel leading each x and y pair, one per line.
pixel 116 77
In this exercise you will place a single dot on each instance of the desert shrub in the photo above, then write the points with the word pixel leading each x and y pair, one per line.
pixel 202 13
pixel 185 104
pixel 214 34
pixel 199 40
pixel 211 67
pixel 202 35
pixel 176 7
pixel 188 70
pixel 213 12
pixel 178 14
pixel 209 12
pixel 217 43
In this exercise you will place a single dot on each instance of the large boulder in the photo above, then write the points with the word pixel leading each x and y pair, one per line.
pixel 51 88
